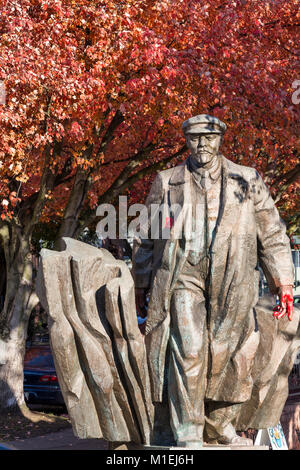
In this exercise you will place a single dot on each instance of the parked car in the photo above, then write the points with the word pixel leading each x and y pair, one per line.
pixel 5 447
pixel 40 380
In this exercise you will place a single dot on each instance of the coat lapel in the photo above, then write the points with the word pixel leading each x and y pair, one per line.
pixel 228 221
pixel 180 198
pixel 230 207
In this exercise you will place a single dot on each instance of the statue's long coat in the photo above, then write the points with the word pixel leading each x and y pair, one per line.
pixel 248 230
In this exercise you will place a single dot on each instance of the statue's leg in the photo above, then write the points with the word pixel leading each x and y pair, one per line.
pixel 187 365
pixel 219 425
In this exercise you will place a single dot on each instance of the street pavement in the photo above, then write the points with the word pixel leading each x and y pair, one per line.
pixel 61 440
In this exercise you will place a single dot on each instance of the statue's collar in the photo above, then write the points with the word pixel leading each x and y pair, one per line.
pixel 181 173
pixel 198 172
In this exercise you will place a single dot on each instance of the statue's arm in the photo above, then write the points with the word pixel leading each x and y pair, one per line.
pixel 142 254
pixel 274 250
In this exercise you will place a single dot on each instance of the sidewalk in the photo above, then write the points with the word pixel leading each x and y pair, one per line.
pixel 61 440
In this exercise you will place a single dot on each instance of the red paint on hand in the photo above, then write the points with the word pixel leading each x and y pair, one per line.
pixel 285 303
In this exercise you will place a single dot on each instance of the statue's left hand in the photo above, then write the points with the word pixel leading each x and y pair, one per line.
pixel 285 294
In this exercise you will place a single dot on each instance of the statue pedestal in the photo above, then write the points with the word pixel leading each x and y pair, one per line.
pixel 205 447
pixel 133 446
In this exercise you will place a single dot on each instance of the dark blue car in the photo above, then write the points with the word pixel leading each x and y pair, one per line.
pixel 40 380
pixel 5 447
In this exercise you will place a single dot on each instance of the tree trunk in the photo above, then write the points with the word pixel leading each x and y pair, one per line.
pixel 20 299
pixel 12 350
pixel 74 206
pixel 2 277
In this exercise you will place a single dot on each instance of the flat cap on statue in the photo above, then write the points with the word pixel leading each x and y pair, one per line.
pixel 203 124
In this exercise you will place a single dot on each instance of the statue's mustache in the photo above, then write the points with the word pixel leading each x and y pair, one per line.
pixel 203 150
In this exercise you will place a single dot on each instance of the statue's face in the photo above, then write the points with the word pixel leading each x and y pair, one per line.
pixel 203 147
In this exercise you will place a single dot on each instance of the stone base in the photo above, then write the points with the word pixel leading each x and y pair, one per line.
pixel 133 446
pixel 206 447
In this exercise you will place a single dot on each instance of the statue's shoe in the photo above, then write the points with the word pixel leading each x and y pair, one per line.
pixel 190 444
pixel 241 441
pixel 234 441
pixel 228 436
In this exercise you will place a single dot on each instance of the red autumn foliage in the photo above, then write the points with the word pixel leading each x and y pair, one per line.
pixel 103 87
pixel 96 92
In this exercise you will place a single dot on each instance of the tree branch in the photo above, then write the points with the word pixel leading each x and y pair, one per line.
pixel 47 182
pixel 124 181
pixel 290 177
pixel 149 169
pixel 109 134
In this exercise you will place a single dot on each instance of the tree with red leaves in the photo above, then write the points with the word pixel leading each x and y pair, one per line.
pixel 96 92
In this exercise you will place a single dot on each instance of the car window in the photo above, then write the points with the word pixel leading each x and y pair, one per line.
pixel 41 361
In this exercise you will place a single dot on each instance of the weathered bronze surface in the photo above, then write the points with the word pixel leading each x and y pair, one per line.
pixel 98 350
pixel 100 356
pixel 201 333
pixel 214 360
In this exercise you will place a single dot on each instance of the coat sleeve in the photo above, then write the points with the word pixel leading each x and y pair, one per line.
pixel 274 252
pixel 142 256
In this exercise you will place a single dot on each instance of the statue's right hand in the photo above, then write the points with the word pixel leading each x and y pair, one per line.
pixel 140 299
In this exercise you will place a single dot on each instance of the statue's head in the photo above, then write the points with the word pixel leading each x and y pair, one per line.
pixel 204 135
